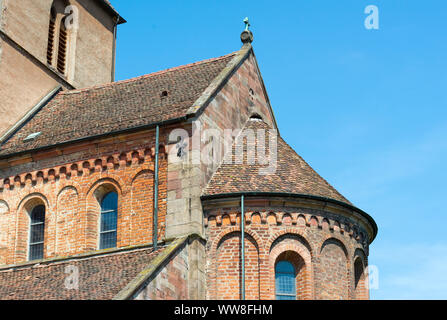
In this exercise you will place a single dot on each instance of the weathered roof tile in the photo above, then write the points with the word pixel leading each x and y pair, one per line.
pixel 292 175
pixel 78 114
pixel 100 277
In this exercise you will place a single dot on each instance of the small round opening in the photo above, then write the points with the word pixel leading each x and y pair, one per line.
pixel 164 94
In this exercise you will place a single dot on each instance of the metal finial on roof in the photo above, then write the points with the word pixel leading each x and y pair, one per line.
pixel 247 35
pixel 247 24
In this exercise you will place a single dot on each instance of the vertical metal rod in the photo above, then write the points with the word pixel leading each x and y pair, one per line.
pixel 115 30
pixel 243 246
pixel 155 227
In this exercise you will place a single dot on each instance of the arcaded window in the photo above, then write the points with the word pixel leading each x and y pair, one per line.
pixel 58 48
pixel 37 232
pixel 109 218
pixel 285 281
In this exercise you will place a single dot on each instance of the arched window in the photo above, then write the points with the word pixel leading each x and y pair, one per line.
pixel 285 281
pixel 109 218
pixel 358 271
pixel 37 232
pixel 360 285
pixel 58 37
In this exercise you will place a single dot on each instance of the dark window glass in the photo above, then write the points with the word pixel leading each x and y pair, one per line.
pixel 37 232
pixel 285 280
pixel 109 218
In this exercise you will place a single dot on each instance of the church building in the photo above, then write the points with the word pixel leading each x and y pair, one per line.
pixel 172 185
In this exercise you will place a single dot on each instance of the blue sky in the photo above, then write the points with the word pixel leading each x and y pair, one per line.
pixel 366 108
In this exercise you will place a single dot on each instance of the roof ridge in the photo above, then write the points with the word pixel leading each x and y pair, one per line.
pixel 237 59
pixel 229 152
pixel 130 289
pixel 145 76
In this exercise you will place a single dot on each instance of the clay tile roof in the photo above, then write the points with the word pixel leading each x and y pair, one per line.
pixel 118 106
pixel 293 174
pixel 100 277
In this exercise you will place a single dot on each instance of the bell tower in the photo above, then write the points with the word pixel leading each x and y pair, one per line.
pixel 50 44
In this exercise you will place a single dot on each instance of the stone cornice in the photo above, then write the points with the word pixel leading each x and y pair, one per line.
pixel 285 200
pixel 79 167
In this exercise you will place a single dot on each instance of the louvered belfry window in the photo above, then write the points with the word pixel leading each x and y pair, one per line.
pixel 58 40
pixel 51 35
pixel 62 51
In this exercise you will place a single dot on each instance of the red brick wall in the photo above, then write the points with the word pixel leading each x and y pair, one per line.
pixel 70 183
pixel 229 268
pixel 319 244
pixel 333 269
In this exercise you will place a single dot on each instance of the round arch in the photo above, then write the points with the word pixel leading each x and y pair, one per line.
pixel 292 232
pixel 95 195
pixel 294 251
pixel 252 236
pixel 360 275
pixel 24 211
pixel 111 180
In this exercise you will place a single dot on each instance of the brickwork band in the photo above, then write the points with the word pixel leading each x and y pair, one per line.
pixel 328 256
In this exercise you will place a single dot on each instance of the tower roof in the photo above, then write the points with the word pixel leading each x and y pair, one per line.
pixel 104 275
pixel 292 175
pixel 112 10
